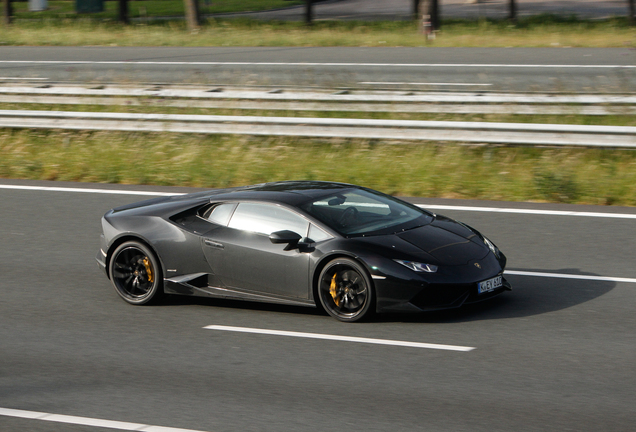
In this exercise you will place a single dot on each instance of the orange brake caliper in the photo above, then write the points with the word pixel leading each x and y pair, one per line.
pixel 332 290
pixel 148 269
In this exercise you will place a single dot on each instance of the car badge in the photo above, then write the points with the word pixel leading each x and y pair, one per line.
pixel 478 265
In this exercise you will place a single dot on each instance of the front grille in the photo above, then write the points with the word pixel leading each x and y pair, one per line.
pixel 439 296
pixel 475 297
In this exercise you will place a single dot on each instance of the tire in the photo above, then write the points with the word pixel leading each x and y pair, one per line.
pixel 135 273
pixel 345 290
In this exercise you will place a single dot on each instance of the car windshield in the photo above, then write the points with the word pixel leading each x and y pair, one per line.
pixel 359 212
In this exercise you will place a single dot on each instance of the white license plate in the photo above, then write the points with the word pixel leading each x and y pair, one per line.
pixel 489 285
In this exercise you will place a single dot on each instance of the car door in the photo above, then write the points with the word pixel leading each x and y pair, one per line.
pixel 242 256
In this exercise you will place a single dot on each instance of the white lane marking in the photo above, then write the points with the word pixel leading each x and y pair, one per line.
pixel 83 190
pixel 339 338
pixel 528 211
pixel 392 65
pixel 570 276
pixel 22 79
pixel 87 421
pixel 426 206
pixel 424 83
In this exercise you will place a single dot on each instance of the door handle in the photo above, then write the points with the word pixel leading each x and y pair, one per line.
pixel 214 244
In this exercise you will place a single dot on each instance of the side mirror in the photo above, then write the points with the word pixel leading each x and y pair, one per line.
pixel 285 236
pixel 306 245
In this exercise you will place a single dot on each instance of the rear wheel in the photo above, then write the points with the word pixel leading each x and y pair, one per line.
pixel 345 291
pixel 135 273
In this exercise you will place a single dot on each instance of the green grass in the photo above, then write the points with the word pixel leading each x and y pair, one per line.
pixel 539 31
pixel 585 176
pixel 146 8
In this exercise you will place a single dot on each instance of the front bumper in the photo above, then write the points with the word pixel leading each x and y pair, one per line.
pixel 398 296
pixel 101 255
pixel 400 289
pixel 101 261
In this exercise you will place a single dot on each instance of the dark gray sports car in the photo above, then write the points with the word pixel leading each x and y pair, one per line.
pixel 344 248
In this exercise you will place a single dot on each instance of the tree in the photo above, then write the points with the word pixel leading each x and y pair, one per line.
pixel 192 14
pixel 7 12
pixel 430 8
pixel 308 11
pixel 123 11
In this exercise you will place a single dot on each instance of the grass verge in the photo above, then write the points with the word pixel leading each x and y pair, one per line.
pixel 537 31
pixel 583 176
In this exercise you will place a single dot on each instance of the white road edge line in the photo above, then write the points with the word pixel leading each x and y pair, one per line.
pixel 570 276
pixel 87 190
pixel 528 211
pixel 87 421
pixel 426 206
pixel 339 338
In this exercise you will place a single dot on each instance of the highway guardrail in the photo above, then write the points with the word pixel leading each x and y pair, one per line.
pixel 470 132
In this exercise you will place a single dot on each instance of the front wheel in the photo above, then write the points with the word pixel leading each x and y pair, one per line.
pixel 135 273
pixel 345 291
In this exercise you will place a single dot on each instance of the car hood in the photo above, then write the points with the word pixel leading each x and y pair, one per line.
pixel 446 246
pixel 442 242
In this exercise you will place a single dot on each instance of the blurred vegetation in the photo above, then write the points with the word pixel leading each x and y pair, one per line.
pixel 535 31
pixel 569 175
pixel 65 9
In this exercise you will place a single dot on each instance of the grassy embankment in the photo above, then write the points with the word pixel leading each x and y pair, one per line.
pixel 423 169
pixel 605 177
pixel 69 28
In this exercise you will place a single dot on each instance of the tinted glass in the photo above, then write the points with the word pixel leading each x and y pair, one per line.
pixel 316 234
pixel 266 219
pixel 221 213
pixel 360 212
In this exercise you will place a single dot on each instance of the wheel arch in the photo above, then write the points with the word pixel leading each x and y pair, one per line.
pixel 326 260
pixel 130 237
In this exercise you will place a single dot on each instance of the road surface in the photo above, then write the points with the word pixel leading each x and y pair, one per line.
pixel 579 70
pixel 556 353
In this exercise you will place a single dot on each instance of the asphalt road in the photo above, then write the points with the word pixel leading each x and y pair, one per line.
pixel 554 354
pixel 581 70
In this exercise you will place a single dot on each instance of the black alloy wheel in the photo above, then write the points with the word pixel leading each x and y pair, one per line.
pixel 135 273
pixel 345 290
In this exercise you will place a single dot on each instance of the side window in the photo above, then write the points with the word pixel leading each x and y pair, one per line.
pixel 316 234
pixel 266 219
pixel 221 213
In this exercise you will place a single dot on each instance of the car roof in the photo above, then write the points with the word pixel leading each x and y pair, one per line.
pixel 288 192
pixel 293 193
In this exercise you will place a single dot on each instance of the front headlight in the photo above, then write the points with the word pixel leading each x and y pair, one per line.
pixel 492 247
pixel 418 267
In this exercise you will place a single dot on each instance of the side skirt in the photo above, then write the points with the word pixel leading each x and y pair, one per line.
pixel 192 285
